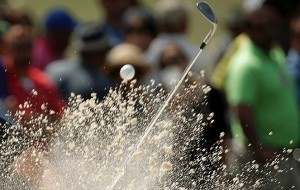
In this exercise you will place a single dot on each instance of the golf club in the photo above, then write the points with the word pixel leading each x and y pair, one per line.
pixel 208 13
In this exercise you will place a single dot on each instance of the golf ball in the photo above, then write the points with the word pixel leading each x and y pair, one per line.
pixel 127 72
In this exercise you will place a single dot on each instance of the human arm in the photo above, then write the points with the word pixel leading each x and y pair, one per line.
pixel 247 120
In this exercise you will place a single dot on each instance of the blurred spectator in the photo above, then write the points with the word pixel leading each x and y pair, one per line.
pixel 286 10
pixel 261 96
pixel 135 3
pixel 3 79
pixel 15 16
pixel 3 7
pixel 112 24
pixel 52 42
pixel 85 74
pixel 173 20
pixel 3 91
pixel 140 27
pixel 293 56
pixel 123 54
pixel 31 93
pixel 9 17
pixel 172 62
pixel 172 17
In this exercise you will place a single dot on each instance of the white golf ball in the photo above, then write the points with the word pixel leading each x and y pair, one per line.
pixel 127 72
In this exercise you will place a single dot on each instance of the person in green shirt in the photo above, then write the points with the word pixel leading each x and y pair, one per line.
pixel 262 97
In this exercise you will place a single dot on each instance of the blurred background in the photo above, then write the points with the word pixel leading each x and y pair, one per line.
pixel 91 11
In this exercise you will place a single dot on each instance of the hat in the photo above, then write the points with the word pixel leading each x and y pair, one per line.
pixel 126 53
pixel 90 37
pixel 59 19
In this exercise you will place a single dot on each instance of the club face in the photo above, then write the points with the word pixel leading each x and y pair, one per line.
pixel 207 12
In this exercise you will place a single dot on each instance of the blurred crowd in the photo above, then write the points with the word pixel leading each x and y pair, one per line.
pixel 255 77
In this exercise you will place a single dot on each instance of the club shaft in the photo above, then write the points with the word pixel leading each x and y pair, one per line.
pixel 170 96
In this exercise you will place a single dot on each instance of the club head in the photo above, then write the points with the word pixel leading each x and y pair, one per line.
pixel 209 14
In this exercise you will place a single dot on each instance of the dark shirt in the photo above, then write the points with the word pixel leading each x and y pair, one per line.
pixel 73 76
pixel 3 82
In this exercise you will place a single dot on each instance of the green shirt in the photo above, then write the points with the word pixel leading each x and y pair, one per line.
pixel 261 81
